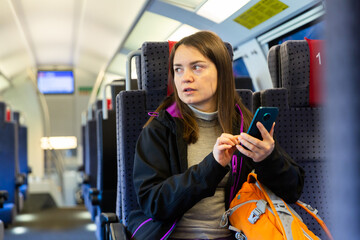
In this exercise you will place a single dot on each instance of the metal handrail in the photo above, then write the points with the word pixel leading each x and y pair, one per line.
pixel 128 68
pixel 104 100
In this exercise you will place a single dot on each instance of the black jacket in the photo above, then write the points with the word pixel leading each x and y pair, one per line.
pixel 167 188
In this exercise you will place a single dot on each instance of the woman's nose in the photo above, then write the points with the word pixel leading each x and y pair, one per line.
pixel 188 75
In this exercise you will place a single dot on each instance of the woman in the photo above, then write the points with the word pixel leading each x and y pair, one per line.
pixel 184 175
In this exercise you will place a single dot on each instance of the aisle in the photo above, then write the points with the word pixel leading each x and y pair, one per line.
pixel 52 223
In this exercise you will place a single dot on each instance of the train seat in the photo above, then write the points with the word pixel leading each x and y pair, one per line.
pixel 90 175
pixel 104 196
pixel 23 167
pixel 298 127
pixel 8 185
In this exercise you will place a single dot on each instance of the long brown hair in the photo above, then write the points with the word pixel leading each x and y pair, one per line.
pixel 211 46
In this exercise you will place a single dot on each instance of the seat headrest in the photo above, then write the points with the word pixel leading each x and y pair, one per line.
pixel 300 72
pixel 295 71
pixel 16 117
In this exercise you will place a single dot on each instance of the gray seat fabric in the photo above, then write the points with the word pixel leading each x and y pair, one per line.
pixel 132 110
pixel 295 71
pixel 131 114
pixel 298 128
pixel 273 60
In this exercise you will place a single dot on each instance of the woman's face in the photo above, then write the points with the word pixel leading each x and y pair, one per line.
pixel 195 78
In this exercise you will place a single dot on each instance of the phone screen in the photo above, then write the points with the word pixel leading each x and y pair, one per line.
pixel 265 115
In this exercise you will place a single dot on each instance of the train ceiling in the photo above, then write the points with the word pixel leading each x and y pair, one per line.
pixel 92 36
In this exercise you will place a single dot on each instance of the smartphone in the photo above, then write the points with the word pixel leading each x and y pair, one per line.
pixel 265 115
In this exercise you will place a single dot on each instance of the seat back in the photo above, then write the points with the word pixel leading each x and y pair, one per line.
pixel 91 147
pixel 131 115
pixel 298 129
pixel 91 162
pixel 8 153
pixel 107 151
pixel 22 147
pixel 107 160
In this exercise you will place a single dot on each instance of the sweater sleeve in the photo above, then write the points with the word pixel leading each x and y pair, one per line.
pixel 281 174
pixel 164 194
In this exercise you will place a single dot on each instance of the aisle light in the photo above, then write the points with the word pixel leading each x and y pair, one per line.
pixel 19 230
pixel 217 11
pixel 58 143
pixel 83 215
pixel 26 217
pixel 91 227
pixel 183 31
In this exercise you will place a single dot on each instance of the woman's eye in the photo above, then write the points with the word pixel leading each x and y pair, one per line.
pixel 197 67
pixel 177 70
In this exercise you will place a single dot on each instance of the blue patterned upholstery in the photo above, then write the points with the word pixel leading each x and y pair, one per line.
pixel 8 167
pixel 22 159
pixel 107 166
pixel 91 160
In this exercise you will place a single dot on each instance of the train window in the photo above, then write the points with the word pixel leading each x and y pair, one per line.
pixel 313 30
pixel 241 75
pixel 56 82
pixel 309 24
pixel 239 68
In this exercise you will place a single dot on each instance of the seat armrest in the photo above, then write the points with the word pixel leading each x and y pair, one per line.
pixel 95 196
pixel 118 232
pixel 108 218
pixel 86 178
pixel 20 179
pixel 4 195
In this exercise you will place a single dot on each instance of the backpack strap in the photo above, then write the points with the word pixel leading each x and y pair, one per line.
pixel 314 213
pixel 252 177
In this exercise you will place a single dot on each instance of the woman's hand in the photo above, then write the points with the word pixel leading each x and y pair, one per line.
pixel 257 149
pixel 225 147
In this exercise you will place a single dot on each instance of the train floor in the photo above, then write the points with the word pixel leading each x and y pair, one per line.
pixel 42 220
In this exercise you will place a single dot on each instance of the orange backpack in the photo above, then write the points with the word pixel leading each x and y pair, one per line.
pixel 258 214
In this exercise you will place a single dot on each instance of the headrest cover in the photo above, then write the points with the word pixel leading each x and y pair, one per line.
pixel 170 88
pixel 8 115
pixel 317 63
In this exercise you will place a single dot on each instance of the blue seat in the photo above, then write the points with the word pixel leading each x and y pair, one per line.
pixel 23 167
pixel 298 127
pixel 91 163
pixel 8 181
pixel 104 196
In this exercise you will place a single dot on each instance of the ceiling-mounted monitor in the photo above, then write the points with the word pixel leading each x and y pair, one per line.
pixel 56 82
